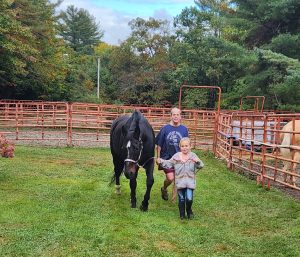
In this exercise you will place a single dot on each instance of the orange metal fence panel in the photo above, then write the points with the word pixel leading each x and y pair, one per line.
pixel 34 121
pixel 85 124
pixel 251 143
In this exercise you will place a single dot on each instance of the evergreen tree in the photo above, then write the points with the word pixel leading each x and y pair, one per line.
pixel 80 30
pixel 258 22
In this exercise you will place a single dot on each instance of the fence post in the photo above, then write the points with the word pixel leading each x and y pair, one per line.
pixel 229 160
pixel 216 131
pixel 69 124
pixel 263 151
pixel 17 121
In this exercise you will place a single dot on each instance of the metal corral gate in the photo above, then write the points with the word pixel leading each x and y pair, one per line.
pixel 250 142
pixel 81 124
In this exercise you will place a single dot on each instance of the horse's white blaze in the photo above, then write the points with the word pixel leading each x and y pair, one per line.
pixel 128 144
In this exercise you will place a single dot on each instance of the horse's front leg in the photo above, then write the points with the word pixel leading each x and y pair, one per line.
pixel 149 183
pixel 294 167
pixel 286 167
pixel 133 192
pixel 118 167
pixel 118 186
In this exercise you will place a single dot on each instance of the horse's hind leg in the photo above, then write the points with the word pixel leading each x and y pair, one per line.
pixel 294 167
pixel 286 167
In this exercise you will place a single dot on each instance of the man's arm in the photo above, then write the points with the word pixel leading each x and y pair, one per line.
pixel 158 149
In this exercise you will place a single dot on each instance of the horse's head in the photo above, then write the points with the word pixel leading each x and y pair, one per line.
pixel 133 145
pixel 134 149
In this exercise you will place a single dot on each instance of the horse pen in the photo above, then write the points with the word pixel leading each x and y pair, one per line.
pixel 248 141
pixel 231 221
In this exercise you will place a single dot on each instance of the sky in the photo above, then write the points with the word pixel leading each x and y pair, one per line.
pixel 114 15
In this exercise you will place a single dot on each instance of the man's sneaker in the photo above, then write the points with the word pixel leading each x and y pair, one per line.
pixel 164 194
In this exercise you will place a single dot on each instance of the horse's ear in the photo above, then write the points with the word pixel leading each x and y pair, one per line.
pixel 136 115
pixel 124 130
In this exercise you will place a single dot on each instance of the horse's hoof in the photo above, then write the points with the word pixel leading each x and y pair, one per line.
pixel 133 205
pixel 118 189
pixel 143 208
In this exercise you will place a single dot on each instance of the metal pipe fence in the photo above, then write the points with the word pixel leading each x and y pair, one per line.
pixel 252 144
pixel 82 124
pixel 248 141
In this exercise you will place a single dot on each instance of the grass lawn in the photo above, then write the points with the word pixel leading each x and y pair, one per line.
pixel 57 202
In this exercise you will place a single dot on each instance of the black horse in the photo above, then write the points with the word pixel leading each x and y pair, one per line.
pixel 132 144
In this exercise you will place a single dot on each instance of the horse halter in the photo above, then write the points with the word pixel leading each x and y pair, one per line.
pixel 131 160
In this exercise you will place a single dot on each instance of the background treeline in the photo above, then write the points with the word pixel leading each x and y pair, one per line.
pixel 247 47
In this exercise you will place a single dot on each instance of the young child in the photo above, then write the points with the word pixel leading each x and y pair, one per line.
pixel 185 164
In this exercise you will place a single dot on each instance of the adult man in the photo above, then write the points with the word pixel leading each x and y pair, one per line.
pixel 167 142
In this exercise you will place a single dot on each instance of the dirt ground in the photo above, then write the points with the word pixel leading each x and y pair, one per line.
pixel 295 194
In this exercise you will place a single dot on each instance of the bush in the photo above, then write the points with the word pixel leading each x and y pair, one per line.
pixel 7 148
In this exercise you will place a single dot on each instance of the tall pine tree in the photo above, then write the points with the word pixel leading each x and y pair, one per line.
pixel 80 30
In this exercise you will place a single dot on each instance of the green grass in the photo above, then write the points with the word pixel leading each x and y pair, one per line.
pixel 57 202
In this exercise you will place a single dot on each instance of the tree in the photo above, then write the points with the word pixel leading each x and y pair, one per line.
pixel 201 58
pixel 16 49
pixel 140 63
pixel 109 88
pixel 286 44
pixel 274 76
pixel 80 30
pixel 31 50
pixel 260 21
pixel 213 12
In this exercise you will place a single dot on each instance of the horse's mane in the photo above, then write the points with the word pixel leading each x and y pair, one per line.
pixel 133 122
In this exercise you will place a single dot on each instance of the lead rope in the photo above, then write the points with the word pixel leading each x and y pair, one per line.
pixel 146 162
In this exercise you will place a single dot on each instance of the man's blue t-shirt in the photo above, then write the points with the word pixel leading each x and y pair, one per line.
pixel 168 139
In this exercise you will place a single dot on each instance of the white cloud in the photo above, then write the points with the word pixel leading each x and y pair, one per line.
pixel 114 23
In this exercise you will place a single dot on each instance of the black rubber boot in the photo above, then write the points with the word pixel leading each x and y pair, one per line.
pixel 189 211
pixel 181 206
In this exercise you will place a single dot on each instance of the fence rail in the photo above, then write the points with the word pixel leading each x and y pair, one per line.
pixel 251 143
pixel 81 124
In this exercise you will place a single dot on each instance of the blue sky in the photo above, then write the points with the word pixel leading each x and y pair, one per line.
pixel 114 15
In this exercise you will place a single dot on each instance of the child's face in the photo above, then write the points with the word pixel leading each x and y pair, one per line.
pixel 185 147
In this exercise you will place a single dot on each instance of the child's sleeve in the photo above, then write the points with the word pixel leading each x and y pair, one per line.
pixel 198 164
pixel 167 164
